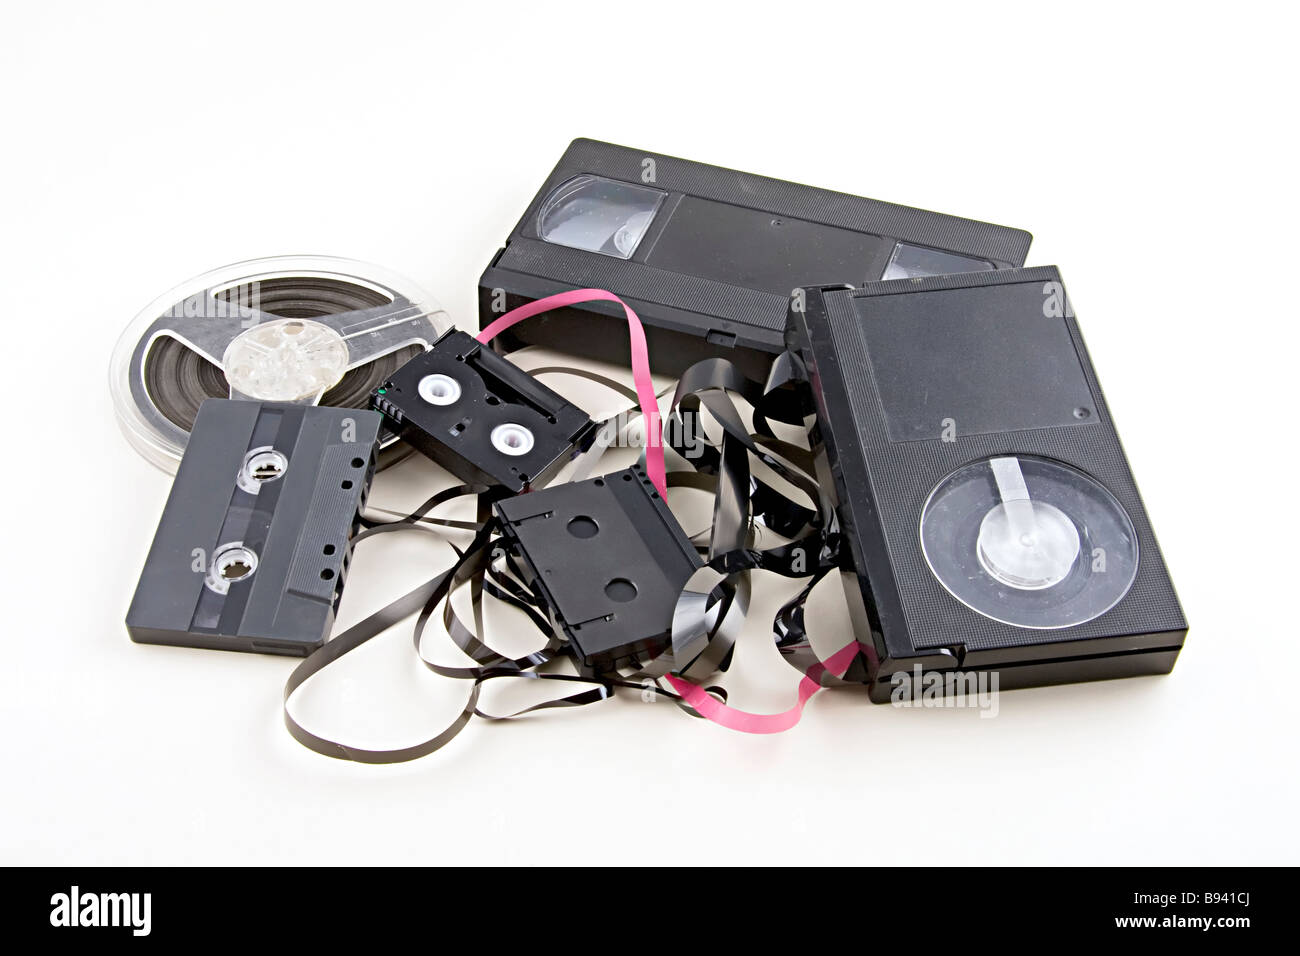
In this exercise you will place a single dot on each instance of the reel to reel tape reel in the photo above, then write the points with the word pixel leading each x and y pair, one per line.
pixel 305 329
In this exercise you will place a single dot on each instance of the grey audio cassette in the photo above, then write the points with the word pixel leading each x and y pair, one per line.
pixel 989 511
pixel 252 548
pixel 307 329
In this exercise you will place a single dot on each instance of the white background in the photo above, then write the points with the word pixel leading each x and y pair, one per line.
pixel 1151 153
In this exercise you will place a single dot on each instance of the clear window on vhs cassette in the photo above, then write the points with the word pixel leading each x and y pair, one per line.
pixel 599 215
pixel 908 262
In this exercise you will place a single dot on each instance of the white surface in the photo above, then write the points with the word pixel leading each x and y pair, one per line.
pixel 1150 153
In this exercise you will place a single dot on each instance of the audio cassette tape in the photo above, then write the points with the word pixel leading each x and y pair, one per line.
pixel 308 329
pixel 481 417
pixel 253 546
pixel 989 511
pixel 707 257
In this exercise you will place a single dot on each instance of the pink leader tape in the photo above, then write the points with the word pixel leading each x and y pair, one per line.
pixel 715 710
pixel 645 391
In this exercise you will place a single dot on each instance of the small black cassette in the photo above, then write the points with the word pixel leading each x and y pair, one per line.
pixel 992 519
pixel 607 558
pixel 481 417
pixel 253 545
pixel 708 257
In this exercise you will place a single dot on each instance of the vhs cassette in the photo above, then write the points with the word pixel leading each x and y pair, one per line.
pixel 253 546
pixel 481 417
pixel 991 516
pixel 607 558
pixel 708 257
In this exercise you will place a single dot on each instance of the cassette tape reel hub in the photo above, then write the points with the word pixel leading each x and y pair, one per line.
pixel 1027 544
pixel 307 329
pixel 512 439
pixel 261 465
pixel 232 562
pixel 439 389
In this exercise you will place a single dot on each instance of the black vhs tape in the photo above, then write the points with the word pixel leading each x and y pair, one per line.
pixel 481 417
pixel 607 558
pixel 708 257
pixel 252 548
pixel 991 516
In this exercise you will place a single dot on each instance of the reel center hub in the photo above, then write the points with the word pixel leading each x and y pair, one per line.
pixel 287 360
pixel 1028 545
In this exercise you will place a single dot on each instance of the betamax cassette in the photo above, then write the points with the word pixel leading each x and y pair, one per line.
pixel 991 517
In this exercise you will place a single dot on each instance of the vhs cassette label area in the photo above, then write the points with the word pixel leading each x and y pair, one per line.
pixel 253 545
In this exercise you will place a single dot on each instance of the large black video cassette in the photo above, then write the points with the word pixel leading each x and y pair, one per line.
pixel 991 515
pixel 708 257
pixel 253 545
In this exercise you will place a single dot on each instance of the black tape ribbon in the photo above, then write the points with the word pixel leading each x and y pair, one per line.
pixel 710 611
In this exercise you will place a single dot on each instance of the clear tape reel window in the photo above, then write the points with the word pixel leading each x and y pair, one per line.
pixel 599 215
pixel 911 262
pixel 1030 542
